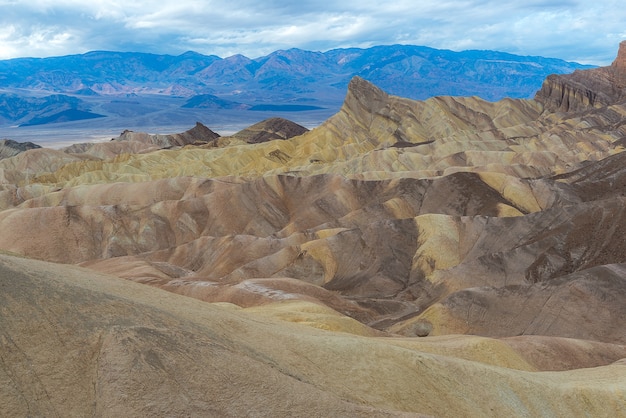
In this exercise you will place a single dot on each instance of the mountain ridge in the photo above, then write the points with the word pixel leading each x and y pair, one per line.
pixel 284 77
pixel 99 67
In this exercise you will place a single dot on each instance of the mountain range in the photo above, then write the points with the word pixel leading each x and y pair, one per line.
pixel 447 257
pixel 126 88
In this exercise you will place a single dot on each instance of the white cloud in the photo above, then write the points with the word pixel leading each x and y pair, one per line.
pixel 583 30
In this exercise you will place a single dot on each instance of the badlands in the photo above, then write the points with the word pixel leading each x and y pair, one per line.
pixel 448 257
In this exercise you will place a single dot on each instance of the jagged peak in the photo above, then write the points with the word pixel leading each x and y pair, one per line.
pixel 619 67
pixel 200 131
pixel 270 129
pixel 361 87
pixel 584 89
pixel 620 60
pixel 364 95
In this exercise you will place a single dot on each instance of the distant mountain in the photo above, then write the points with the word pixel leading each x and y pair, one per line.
pixel 100 70
pixel 282 78
pixel 209 101
pixel 14 107
pixel 63 116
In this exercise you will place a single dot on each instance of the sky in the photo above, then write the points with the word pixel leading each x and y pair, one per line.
pixel 586 31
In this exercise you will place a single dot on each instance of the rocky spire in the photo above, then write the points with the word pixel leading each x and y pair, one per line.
pixel 363 95
pixel 619 67
pixel 585 89
pixel 620 61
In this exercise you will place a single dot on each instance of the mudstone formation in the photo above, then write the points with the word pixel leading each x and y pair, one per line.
pixel 446 257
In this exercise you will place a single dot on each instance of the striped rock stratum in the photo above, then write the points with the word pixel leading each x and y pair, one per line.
pixel 446 257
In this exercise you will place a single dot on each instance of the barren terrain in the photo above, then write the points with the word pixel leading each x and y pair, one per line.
pixel 446 257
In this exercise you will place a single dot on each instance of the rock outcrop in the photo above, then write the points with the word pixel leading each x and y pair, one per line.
pixel 270 130
pixel 586 89
pixel 197 135
pixel 142 142
pixel 10 148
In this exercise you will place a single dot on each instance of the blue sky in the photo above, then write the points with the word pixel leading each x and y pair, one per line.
pixel 583 31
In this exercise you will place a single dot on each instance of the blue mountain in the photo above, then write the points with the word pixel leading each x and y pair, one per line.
pixel 283 79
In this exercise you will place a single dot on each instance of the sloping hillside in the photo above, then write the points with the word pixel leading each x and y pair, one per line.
pixel 79 343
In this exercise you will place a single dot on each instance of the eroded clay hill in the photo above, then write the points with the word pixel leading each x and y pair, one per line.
pixel 503 221
pixel 79 343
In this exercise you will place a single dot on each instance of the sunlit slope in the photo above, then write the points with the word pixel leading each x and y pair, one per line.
pixel 387 249
pixel 81 343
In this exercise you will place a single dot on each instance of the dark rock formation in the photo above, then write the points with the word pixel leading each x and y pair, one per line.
pixel 197 135
pixel 269 130
pixel 130 142
pixel 10 148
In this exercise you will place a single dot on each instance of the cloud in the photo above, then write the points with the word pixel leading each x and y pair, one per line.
pixel 584 31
